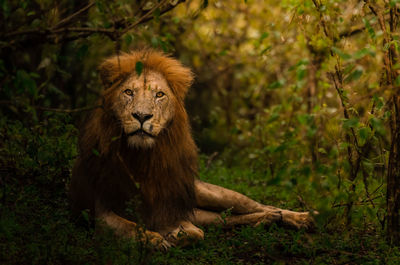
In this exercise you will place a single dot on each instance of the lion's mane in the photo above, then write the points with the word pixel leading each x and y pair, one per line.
pixel 159 181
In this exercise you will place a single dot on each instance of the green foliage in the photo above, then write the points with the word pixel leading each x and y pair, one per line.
pixel 290 97
pixel 139 68
pixel 37 228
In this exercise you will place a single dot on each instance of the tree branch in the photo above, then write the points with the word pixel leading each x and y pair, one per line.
pixel 71 17
pixel 16 103
pixel 146 16
pixel 120 27
pixel 87 108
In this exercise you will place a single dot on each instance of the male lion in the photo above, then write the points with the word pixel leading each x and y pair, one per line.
pixel 138 150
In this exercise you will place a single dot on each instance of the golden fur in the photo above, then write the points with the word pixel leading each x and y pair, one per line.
pixel 157 182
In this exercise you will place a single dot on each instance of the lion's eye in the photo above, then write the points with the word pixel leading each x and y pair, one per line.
pixel 128 92
pixel 160 94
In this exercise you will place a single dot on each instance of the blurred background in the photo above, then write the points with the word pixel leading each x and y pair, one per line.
pixel 294 103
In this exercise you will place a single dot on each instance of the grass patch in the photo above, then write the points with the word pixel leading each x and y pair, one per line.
pixel 36 226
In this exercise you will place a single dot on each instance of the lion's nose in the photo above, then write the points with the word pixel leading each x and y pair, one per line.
pixel 142 117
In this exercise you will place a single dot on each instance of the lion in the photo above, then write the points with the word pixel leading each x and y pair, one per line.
pixel 137 150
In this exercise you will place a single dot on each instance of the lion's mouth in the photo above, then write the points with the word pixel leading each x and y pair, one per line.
pixel 140 133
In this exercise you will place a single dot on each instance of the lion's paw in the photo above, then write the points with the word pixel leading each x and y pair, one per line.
pixel 299 220
pixel 268 217
pixel 184 234
pixel 157 241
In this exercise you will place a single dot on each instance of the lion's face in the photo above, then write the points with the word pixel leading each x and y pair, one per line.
pixel 145 106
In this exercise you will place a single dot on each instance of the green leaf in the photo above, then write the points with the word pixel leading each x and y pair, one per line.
pixel 343 55
pixel 304 118
pixel 397 81
pixel 176 20
pixel 265 50
pixel 163 45
pixel 301 72
pixel 377 125
pixel 350 123
pixel 273 117
pixel 115 138
pixel 85 215
pixel 370 30
pixel 322 150
pixel 276 84
pixel 363 52
pixel 355 75
pixel 139 68
pixel 364 134
pixel 263 36
pixel 378 101
pixel 393 3
pixel 128 39
pixel 348 68
pixel 223 53
pixel 95 152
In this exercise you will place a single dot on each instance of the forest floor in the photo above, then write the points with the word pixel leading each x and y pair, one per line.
pixel 36 228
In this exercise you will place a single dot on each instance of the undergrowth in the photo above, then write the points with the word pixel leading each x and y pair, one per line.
pixel 36 226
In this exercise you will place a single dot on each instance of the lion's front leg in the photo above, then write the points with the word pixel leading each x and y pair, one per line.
pixel 212 199
pixel 126 228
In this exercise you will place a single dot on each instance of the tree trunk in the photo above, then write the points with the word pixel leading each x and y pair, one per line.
pixel 393 175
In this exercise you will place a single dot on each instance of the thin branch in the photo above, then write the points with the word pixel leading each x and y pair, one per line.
pixel 58 31
pixel 352 31
pixel 210 159
pixel 146 16
pixel 24 32
pixel 358 28
pixel 338 88
pixel 87 108
pixel 359 203
pixel 82 29
pixel 71 17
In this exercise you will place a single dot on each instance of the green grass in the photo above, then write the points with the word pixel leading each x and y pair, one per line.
pixel 36 230
pixel 36 226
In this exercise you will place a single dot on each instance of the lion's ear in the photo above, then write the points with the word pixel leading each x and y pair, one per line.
pixel 113 70
pixel 107 73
